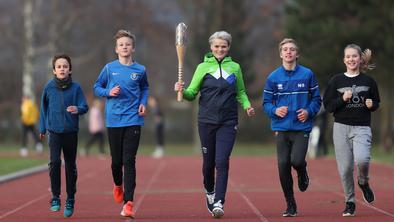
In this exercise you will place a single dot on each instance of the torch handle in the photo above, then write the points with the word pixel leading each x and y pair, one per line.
pixel 180 80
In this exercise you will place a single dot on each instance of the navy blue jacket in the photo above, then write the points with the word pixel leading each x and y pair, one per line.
pixel 54 102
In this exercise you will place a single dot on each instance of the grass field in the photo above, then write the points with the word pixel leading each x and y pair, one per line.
pixel 13 164
pixel 10 161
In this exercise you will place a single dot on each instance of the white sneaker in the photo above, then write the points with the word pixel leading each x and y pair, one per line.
pixel 210 198
pixel 82 152
pixel 218 210
pixel 39 147
pixel 158 153
pixel 24 152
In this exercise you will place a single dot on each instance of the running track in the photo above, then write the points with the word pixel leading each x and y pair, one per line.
pixel 170 189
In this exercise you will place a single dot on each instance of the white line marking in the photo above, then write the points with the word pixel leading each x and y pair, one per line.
pixel 24 205
pixel 86 176
pixel 357 200
pixel 150 183
pixel 249 202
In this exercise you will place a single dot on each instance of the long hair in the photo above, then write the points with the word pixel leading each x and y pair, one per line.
pixel 365 55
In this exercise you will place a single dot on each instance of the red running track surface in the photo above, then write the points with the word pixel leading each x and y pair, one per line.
pixel 170 189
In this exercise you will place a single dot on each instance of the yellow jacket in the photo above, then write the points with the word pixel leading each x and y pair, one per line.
pixel 29 112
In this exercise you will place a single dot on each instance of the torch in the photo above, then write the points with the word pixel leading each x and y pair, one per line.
pixel 180 43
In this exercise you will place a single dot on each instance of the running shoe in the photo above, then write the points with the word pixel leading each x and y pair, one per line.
pixel 368 194
pixel 118 193
pixel 349 209
pixel 291 210
pixel 127 210
pixel 218 210
pixel 55 204
pixel 69 208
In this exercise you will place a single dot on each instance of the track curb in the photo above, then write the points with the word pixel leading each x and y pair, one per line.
pixel 23 173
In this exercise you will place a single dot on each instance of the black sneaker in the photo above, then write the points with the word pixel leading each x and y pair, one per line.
pixel 349 209
pixel 303 180
pixel 210 199
pixel 291 210
pixel 368 195
pixel 218 211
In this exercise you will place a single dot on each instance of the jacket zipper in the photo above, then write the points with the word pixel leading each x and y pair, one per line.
pixel 220 67
pixel 62 108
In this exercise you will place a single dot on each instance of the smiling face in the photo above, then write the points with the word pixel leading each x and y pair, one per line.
pixel 288 52
pixel 61 68
pixel 352 60
pixel 124 46
pixel 219 48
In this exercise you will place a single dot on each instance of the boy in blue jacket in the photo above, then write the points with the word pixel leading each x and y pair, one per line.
pixel 123 82
pixel 291 98
pixel 61 104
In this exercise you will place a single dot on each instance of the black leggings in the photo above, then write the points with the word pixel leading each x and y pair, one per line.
pixel 124 142
pixel 291 150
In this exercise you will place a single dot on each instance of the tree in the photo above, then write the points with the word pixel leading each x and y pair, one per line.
pixel 324 28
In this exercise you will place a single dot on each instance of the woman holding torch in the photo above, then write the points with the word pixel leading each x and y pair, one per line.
pixel 219 81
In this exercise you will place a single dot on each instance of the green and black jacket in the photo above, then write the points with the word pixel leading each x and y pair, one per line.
pixel 220 85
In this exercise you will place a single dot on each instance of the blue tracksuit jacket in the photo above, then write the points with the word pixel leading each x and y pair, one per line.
pixel 297 89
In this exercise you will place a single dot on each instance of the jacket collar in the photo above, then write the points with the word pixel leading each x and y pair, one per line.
pixel 290 72
pixel 210 58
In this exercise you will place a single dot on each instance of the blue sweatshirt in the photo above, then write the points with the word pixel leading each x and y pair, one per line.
pixel 296 89
pixel 122 110
pixel 54 102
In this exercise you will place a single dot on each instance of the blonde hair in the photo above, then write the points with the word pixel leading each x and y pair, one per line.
pixel 288 40
pixel 366 57
pixel 223 35
pixel 125 33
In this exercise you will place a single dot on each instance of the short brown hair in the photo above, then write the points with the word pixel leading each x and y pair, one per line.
pixel 288 40
pixel 61 56
pixel 124 33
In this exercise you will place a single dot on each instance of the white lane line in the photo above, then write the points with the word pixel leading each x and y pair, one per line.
pixel 6 214
pixel 357 200
pixel 24 205
pixel 249 203
pixel 150 183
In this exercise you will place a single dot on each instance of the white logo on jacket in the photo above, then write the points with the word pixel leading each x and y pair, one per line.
pixel 134 76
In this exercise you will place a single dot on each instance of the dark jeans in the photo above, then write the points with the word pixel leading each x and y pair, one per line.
pixel 124 142
pixel 99 137
pixel 217 143
pixel 68 143
pixel 291 150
